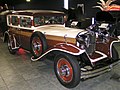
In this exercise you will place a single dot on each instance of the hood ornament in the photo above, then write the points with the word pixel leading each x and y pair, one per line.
pixel 65 38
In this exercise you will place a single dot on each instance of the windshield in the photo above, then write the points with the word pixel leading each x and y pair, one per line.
pixel 42 20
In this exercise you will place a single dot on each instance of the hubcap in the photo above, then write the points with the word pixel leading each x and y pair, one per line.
pixel 64 70
pixel 37 46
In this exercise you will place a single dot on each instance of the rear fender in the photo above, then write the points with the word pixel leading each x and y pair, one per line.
pixel 6 36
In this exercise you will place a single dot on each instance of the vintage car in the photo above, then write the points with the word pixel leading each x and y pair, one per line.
pixel 78 53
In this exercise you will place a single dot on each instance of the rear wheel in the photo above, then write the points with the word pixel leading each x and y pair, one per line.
pixel 67 70
pixel 11 45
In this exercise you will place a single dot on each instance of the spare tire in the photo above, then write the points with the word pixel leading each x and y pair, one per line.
pixel 38 44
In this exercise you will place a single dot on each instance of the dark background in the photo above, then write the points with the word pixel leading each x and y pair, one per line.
pixel 53 5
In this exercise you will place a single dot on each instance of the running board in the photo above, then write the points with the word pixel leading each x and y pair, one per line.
pixel 96 72
pixel 15 48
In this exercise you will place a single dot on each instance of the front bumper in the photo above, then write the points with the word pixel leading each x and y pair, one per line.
pixel 95 72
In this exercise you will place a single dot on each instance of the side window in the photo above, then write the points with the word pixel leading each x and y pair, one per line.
pixel 25 22
pixel 54 19
pixel 15 20
pixel 39 20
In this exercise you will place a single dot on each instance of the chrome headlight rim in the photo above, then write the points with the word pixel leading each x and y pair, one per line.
pixel 83 38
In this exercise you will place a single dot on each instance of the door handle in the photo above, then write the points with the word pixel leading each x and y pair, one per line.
pixel 18 29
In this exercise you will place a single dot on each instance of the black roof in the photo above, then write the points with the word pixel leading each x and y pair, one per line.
pixel 34 12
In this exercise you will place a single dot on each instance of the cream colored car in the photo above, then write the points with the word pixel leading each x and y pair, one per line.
pixel 79 54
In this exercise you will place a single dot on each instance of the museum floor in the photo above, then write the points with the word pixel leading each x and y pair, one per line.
pixel 17 72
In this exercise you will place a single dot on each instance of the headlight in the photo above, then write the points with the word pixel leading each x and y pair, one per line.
pixel 83 39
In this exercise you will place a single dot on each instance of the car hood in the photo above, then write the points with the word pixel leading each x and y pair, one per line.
pixel 59 30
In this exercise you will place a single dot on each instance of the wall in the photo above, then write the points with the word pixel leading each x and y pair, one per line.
pixel 59 4
pixel 47 4
pixel 41 4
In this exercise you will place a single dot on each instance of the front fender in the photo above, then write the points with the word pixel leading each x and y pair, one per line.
pixel 62 47
pixel 68 48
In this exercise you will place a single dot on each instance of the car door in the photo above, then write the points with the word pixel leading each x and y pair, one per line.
pixel 26 31
pixel 14 29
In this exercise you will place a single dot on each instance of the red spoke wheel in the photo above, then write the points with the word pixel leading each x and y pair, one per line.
pixel 38 44
pixel 67 70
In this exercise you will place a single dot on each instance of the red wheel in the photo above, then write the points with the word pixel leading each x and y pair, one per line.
pixel 67 70
pixel 38 44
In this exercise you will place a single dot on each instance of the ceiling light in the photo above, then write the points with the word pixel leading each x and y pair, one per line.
pixel 28 0
pixel 66 4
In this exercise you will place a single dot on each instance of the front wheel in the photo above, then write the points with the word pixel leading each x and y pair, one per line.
pixel 67 70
